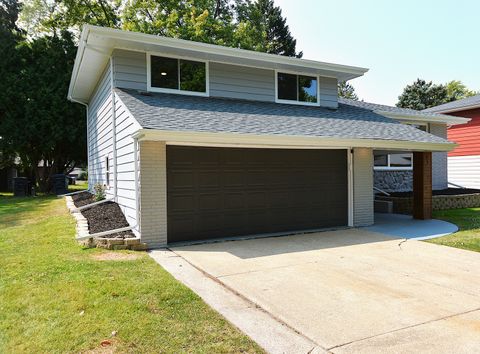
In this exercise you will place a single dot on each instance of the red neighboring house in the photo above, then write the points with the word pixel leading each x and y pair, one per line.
pixel 464 160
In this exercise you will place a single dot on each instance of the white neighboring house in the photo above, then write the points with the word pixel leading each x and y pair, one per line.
pixel 197 141
pixel 464 160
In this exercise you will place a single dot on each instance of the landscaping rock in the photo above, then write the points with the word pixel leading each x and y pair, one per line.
pixel 139 247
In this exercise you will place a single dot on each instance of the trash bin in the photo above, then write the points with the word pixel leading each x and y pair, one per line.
pixel 59 184
pixel 20 186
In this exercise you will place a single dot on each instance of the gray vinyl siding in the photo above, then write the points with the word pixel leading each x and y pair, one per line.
pixel 100 145
pixel 130 69
pixel 363 214
pixel 125 126
pixel 328 92
pixel 241 82
pixel 439 160
pixel 226 80
pixel 99 125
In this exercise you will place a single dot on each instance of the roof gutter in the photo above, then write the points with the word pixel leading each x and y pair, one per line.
pixel 425 117
pixel 78 59
pixel 282 141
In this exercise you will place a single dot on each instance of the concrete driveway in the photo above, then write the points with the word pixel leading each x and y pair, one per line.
pixel 355 290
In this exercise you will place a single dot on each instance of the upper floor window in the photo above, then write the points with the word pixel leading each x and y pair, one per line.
pixel 297 89
pixel 176 75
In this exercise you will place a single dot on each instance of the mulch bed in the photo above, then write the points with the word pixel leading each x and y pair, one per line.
pixel 103 217
pixel 448 191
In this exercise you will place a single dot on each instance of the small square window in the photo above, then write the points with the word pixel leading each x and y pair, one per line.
pixel 172 74
pixel 299 88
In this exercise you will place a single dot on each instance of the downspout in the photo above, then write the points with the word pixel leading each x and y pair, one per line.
pixel 114 132
pixel 88 137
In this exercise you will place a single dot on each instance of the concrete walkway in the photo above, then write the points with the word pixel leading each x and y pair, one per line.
pixel 351 291
pixel 404 226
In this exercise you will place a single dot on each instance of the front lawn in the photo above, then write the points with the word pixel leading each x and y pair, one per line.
pixel 56 296
pixel 468 222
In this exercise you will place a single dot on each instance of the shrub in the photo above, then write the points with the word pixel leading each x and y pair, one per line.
pixel 99 192
pixel 83 176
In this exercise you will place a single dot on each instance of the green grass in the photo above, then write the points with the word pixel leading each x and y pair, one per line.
pixel 55 297
pixel 79 186
pixel 468 222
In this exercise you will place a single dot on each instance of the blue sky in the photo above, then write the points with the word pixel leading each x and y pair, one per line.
pixel 397 40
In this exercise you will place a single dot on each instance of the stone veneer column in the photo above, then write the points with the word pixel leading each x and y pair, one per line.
pixel 153 193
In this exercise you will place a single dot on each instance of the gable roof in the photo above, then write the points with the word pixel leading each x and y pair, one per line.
pixel 349 124
pixel 97 43
pixel 459 105
pixel 405 113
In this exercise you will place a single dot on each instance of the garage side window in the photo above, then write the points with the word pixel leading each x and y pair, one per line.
pixel 174 75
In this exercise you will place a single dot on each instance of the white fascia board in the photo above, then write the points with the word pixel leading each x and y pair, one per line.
pixel 424 117
pixel 278 141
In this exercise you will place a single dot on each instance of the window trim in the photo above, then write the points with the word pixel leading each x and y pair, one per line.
pixel 177 91
pixel 410 168
pixel 300 103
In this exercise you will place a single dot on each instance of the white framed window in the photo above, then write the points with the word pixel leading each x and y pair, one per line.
pixel 396 161
pixel 179 75
pixel 297 88
pixel 107 171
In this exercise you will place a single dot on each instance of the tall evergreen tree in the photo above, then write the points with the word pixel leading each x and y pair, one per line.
pixel 421 95
pixel 262 27
pixel 346 90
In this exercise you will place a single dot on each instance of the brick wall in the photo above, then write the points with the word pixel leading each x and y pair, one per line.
pixel 153 193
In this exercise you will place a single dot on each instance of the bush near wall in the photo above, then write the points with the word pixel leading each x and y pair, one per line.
pixel 404 205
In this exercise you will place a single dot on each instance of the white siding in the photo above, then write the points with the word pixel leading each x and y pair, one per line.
pixel 130 69
pixel 99 125
pixel 125 126
pixel 363 214
pixel 464 170
pixel 100 145
pixel 328 92
pixel 439 160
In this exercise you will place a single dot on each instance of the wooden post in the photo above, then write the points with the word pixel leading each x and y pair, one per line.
pixel 422 185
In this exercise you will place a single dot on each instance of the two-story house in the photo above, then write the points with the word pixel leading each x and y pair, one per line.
pixel 197 141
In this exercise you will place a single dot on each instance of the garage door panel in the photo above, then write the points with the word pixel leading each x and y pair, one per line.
pixel 221 192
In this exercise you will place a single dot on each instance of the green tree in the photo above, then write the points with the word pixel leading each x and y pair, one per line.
pixel 262 27
pixel 46 128
pixel 205 21
pixel 456 90
pixel 346 90
pixel 11 98
pixel 421 95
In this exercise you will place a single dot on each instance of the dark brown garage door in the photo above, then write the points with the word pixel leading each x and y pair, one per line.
pixel 223 192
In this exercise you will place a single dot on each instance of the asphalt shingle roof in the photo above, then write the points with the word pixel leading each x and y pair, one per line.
pixel 455 105
pixel 172 112
pixel 392 109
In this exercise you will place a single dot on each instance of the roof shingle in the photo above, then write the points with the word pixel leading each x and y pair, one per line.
pixel 172 112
